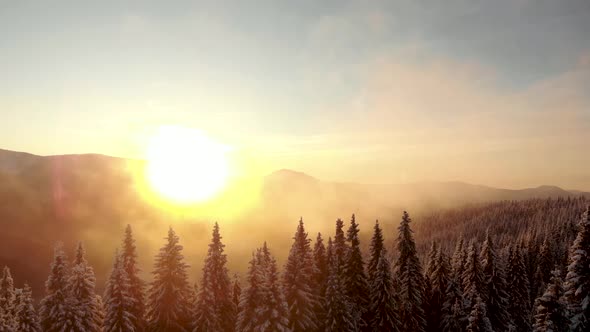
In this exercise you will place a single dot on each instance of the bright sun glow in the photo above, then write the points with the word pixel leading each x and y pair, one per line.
pixel 186 166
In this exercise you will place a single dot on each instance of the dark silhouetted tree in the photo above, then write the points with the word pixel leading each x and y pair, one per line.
pixel 215 309
pixel 168 307
pixel 298 283
pixel 550 315
pixel 355 279
pixel 494 287
pixel 408 273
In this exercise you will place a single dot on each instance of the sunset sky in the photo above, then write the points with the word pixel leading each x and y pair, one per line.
pixel 489 92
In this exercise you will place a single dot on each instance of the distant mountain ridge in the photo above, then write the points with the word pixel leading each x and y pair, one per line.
pixel 90 197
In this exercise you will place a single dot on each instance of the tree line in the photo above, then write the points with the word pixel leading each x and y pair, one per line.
pixel 479 284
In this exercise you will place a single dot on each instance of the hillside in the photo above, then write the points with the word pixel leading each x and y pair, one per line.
pixel 91 197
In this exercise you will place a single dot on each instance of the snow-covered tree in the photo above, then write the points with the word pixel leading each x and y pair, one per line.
pixel 338 311
pixel 168 307
pixel 340 249
pixel 82 286
pixel 7 300
pixel 236 291
pixel 274 307
pixel 439 281
pixel 518 291
pixel 249 313
pixel 215 309
pixel 577 281
pixel 375 251
pixel 459 260
pixel 26 316
pixel 320 280
pixel 355 279
pixel 473 277
pixel 59 310
pixel 119 302
pixel 478 320
pixel 383 298
pixel 136 284
pixel 408 273
pixel 298 283
pixel 494 287
pixel 550 315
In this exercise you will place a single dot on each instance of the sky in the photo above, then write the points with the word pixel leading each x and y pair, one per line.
pixel 487 92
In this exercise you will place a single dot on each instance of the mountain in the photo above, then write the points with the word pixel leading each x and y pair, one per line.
pixel 92 197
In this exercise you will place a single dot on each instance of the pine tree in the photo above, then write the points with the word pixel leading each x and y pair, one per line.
pixel 459 260
pixel 320 280
pixel 478 320
pixel 168 299
pixel 215 309
pixel 550 310
pixel 338 311
pixel 494 287
pixel 546 261
pixel 411 282
pixel 119 302
pixel 82 284
pixel 249 315
pixel 26 316
pixel 236 291
pixel 59 310
pixel 383 298
pixel 473 277
pixel 375 251
pixel 518 291
pixel 355 279
pixel 274 311
pixel 136 284
pixel 577 281
pixel 298 283
pixel 340 250
pixel 7 299
pixel 439 281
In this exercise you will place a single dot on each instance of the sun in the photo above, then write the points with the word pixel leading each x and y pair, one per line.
pixel 186 166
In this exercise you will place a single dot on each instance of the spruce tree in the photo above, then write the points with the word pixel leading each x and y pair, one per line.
pixel 215 309
pixel 338 311
pixel 236 291
pixel 26 316
pixel 473 278
pixel 136 284
pixel 375 251
pixel 459 260
pixel 518 291
pixel 119 302
pixel 168 307
pixel 274 312
pixel 439 281
pixel 494 287
pixel 577 281
pixel 550 315
pixel 355 279
pixel 408 273
pixel 249 314
pixel 478 320
pixel 340 249
pixel 59 310
pixel 82 285
pixel 298 283
pixel 383 298
pixel 7 299
pixel 320 280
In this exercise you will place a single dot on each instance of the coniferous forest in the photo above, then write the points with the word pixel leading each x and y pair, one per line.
pixel 505 266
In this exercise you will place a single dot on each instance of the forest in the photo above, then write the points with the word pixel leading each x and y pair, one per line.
pixel 502 266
